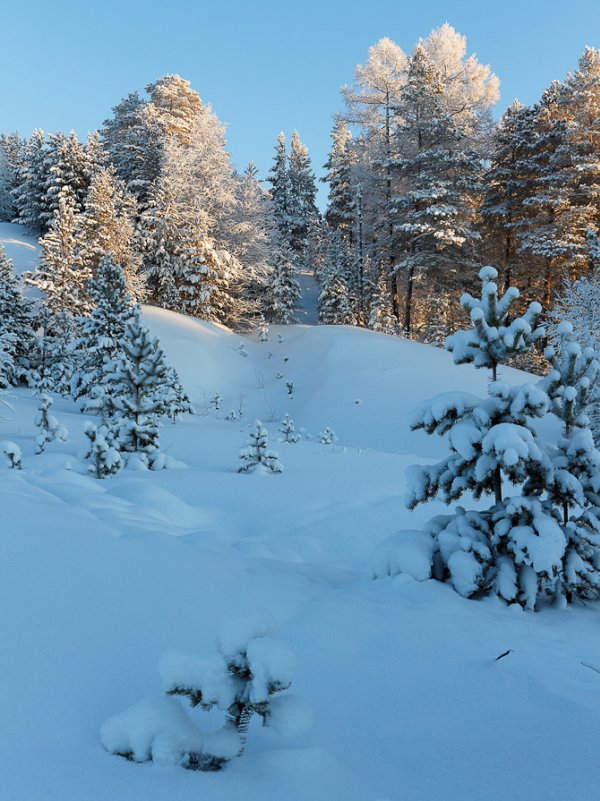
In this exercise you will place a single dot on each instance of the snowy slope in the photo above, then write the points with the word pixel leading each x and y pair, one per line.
pixel 20 247
pixel 99 579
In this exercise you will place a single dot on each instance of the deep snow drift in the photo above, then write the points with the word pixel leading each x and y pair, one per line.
pixel 99 579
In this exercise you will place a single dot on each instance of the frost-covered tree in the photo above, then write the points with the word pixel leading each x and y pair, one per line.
pixel 341 179
pixel 50 428
pixel 142 393
pixel 439 174
pixel 302 208
pixel 52 359
pixel 16 325
pixel 60 275
pixel 29 192
pixel 107 226
pixel 575 490
pixel 11 149
pixel 516 547
pixel 327 436
pixel 288 431
pixel 102 335
pixel 105 459
pixel 335 297
pixel 284 291
pixel 280 189
pixel 381 313
pixel 257 453
pixel 579 303
pixel 13 454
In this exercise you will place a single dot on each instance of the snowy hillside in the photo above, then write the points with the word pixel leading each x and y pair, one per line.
pixel 98 579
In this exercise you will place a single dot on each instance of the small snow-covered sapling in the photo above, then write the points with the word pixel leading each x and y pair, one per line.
pixel 257 454
pixel 327 436
pixel 290 387
pixel 216 401
pixel 287 430
pixel 242 350
pixel 104 457
pixel 50 428
pixel 13 454
pixel 264 333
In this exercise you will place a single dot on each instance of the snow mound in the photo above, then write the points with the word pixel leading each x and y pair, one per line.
pixel 407 552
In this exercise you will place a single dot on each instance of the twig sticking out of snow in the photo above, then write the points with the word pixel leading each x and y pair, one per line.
pixel 506 653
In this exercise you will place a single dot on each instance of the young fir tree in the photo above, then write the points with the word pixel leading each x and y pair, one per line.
pixel 105 460
pixel 101 336
pixel 516 547
pixel 52 357
pixel 142 393
pixel 16 324
pixel 575 490
pixel 257 454
pixel 13 454
pixel 284 290
pixel 579 303
pixel 288 431
pixel 50 428
pixel 60 275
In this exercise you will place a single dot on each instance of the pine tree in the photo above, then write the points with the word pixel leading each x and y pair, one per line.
pixel 107 226
pixel 102 336
pixel 439 174
pixel 335 304
pixel 60 274
pixel 257 454
pixel 302 208
pixel 575 490
pixel 516 547
pixel 381 315
pixel 340 166
pixel 52 357
pixel 29 193
pixel 50 428
pixel 288 431
pixel 279 179
pixel 104 457
pixel 11 152
pixel 142 392
pixel 177 106
pixel 284 291
pixel 16 325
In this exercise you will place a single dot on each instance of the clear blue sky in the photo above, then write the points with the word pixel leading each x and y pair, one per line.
pixel 265 66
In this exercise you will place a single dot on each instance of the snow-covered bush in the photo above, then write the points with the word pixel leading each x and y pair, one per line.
pixel 257 454
pixel 50 428
pixel 327 436
pixel 518 548
pixel 104 457
pixel 288 431
pixel 13 454
pixel 246 675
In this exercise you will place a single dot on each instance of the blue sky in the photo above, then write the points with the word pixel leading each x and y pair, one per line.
pixel 264 66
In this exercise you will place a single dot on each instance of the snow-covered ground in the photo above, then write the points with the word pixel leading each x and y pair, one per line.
pixel 98 579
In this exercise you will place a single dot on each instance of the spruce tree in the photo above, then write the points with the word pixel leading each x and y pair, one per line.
pixel 516 547
pixel 31 181
pixel 284 291
pixel 302 208
pixel 105 460
pixel 16 324
pixel 11 153
pixel 280 190
pixel 50 428
pixel 575 490
pixel 142 379
pixel 257 453
pixel 335 302
pixel 340 177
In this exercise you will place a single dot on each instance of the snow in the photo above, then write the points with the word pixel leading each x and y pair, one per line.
pixel 99 579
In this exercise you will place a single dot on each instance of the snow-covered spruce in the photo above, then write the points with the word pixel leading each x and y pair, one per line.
pixel 13 454
pixel 288 431
pixel 50 428
pixel 575 490
pixel 105 460
pixel 515 548
pixel 245 676
pixel 16 327
pixel 257 454
pixel 327 436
